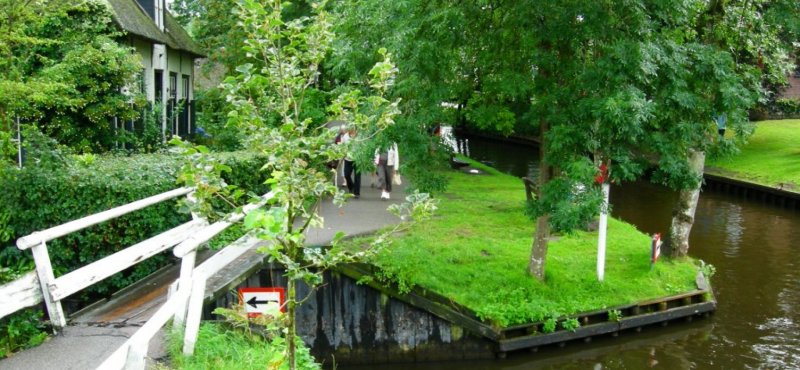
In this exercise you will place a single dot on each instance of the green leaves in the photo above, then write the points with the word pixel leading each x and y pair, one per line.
pixel 62 69
pixel 270 222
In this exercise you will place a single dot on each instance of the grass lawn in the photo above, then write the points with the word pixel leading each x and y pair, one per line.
pixel 475 252
pixel 772 157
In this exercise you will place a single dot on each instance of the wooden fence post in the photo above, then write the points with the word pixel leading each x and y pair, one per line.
pixel 44 269
pixel 184 289
pixel 194 314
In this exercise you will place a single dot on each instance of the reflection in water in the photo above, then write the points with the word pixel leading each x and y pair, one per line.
pixel 757 285
pixel 727 217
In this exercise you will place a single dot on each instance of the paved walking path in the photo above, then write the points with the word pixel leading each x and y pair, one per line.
pixel 91 336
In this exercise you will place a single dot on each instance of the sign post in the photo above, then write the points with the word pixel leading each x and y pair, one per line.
pixel 602 228
pixel 256 300
pixel 655 249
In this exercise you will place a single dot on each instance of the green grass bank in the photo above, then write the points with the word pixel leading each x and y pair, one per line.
pixel 771 157
pixel 475 252
pixel 221 347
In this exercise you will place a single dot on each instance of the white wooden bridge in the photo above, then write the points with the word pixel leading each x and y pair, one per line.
pixel 118 333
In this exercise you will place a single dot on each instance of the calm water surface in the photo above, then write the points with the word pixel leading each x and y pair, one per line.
pixel 754 248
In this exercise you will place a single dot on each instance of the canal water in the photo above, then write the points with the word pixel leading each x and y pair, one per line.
pixel 754 248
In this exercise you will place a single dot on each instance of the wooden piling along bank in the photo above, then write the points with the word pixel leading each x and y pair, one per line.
pixel 359 320
pixel 783 195
pixel 780 197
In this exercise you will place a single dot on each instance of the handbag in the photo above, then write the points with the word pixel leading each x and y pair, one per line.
pixel 397 180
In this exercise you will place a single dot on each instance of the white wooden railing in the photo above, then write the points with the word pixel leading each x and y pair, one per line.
pixel 26 292
pixel 187 293
pixel 185 302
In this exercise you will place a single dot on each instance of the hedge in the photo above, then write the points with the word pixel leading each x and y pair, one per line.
pixel 40 198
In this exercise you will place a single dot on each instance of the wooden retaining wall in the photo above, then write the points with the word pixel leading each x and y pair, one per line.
pixel 779 197
pixel 371 323
pixel 360 325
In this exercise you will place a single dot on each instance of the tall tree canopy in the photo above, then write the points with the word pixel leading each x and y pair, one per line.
pixel 626 83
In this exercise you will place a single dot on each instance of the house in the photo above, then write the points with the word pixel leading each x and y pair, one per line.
pixel 168 57
pixel 792 91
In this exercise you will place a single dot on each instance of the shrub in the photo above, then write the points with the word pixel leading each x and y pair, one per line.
pixel 21 330
pixel 787 107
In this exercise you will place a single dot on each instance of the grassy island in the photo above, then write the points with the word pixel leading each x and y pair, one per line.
pixel 771 157
pixel 475 252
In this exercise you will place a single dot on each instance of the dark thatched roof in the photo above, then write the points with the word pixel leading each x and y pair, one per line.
pixel 134 20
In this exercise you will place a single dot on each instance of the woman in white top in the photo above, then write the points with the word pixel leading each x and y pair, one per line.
pixel 387 162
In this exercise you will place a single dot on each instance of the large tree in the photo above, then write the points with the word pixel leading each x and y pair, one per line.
pixel 62 70
pixel 620 83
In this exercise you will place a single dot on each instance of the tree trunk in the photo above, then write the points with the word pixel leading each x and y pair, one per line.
pixel 683 216
pixel 539 248
pixel 292 332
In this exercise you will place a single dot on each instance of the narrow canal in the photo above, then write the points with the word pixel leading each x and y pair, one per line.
pixel 754 248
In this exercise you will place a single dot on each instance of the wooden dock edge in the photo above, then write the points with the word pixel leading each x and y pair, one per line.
pixel 593 323
pixel 536 340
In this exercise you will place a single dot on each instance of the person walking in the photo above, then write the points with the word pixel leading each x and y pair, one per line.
pixel 350 168
pixel 387 161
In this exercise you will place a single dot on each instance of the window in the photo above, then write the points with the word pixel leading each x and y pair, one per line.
pixel 158 83
pixel 172 103
pixel 185 126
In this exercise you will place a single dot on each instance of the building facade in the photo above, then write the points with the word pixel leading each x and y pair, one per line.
pixel 168 56
pixel 792 91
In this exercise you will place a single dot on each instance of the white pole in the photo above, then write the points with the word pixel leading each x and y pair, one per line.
pixel 19 144
pixel 601 237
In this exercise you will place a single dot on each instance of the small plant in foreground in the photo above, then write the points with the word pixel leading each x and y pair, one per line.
pixel 708 269
pixel 571 324
pixel 549 325
pixel 614 315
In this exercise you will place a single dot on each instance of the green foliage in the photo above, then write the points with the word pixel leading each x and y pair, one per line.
pixel 61 68
pixel 13 264
pixel 475 252
pixel 146 136
pixel 212 117
pixel 786 107
pixel 570 324
pixel 707 269
pixel 8 150
pixel 219 347
pixel 622 83
pixel 614 315
pixel 21 330
pixel 270 324
pixel 549 325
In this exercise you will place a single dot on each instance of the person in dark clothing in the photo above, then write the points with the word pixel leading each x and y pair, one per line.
pixel 352 176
